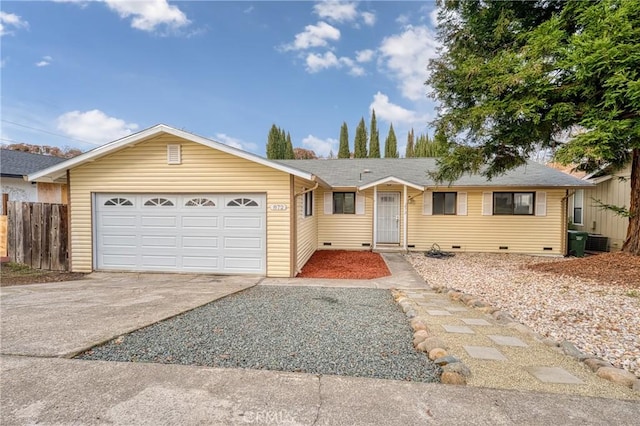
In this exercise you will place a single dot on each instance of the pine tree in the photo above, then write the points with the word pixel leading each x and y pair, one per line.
pixel 391 144
pixel 374 140
pixel 288 154
pixel 360 143
pixel 343 151
pixel 409 152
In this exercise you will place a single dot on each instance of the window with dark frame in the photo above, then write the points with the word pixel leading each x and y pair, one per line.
pixel 513 203
pixel 444 203
pixel 344 203
pixel 308 204
pixel 578 198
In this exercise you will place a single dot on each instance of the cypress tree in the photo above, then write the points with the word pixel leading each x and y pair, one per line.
pixel 343 151
pixel 360 144
pixel 272 142
pixel 374 140
pixel 289 155
pixel 409 152
pixel 391 144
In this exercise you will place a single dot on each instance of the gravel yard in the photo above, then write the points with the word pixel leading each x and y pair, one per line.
pixel 599 317
pixel 354 332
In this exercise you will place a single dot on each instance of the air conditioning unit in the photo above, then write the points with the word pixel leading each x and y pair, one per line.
pixel 597 242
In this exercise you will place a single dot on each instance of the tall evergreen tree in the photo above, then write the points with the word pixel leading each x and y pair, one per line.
pixel 391 144
pixel 273 140
pixel 426 147
pixel 288 153
pixel 374 140
pixel 360 144
pixel 410 150
pixel 514 76
pixel 343 151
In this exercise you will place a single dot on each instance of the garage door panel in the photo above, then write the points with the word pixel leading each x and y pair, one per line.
pixel 197 233
pixel 199 242
pixel 169 242
pixel 243 222
pixel 158 221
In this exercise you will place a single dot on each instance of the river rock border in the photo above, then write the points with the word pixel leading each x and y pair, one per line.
pixel 600 367
pixel 454 371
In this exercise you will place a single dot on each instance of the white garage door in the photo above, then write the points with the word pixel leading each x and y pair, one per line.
pixel 218 233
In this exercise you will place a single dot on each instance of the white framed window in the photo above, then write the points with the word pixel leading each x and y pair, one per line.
pixel 578 207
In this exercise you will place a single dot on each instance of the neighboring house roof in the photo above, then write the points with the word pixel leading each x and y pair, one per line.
pixel 18 164
pixel 569 169
pixel 363 172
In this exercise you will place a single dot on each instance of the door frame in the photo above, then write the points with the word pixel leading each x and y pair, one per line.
pixel 398 215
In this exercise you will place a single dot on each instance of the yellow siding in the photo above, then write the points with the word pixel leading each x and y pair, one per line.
pixel 605 222
pixel 306 227
pixel 477 233
pixel 345 231
pixel 144 168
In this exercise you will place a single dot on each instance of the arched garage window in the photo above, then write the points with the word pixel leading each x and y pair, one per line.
pixel 159 202
pixel 242 202
pixel 118 202
pixel 200 202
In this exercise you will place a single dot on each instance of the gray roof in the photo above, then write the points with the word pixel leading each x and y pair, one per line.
pixel 18 163
pixel 350 173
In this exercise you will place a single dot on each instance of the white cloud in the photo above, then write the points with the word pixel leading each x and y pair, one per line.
pixel 249 9
pixel 149 14
pixel 314 36
pixel 322 147
pixel 369 18
pixel 46 60
pixel 403 19
pixel 338 11
pixel 9 22
pixel 94 126
pixel 235 142
pixel 364 55
pixel 406 56
pixel 393 113
pixel 433 16
pixel 316 63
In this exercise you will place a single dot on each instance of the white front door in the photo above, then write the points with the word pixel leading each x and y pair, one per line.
pixel 388 218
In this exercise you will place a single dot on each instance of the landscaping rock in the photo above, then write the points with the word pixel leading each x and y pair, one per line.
pixel 457 367
pixel 418 324
pixel 616 375
pixel 636 385
pixel 419 337
pixel 445 360
pixel 411 313
pixel 465 298
pixel 595 364
pixel 432 343
pixel 455 295
pixel 569 349
pixel 550 342
pixel 488 309
pixel 437 353
pixel 451 378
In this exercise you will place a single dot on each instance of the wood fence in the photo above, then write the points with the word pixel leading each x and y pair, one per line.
pixel 37 235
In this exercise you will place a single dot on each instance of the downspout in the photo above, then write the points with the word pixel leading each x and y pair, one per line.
pixel 307 190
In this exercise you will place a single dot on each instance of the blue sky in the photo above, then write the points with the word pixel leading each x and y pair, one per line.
pixel 83 73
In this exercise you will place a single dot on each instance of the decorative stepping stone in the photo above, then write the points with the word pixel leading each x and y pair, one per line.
pixel 484 352
pixel 456 309
pixel 553 375
pixel 458 329
pixel 438 313
pixel 507 340
pixel 475 321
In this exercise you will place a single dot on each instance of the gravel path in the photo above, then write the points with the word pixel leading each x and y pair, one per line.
pixel 354 332
pixel 599 319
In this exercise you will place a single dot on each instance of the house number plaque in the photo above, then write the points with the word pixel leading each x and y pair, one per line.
pixel 278 207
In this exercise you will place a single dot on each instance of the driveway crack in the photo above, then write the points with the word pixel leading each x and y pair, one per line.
pixel 315 421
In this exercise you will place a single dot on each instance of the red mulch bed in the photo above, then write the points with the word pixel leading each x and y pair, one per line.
pixel 616 268
pixel 362 265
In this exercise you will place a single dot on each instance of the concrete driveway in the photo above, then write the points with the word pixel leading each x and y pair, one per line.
pixel 62 319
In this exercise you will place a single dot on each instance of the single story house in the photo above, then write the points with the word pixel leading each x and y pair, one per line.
pixel 611 187
pixel 167 200
pixel 16 165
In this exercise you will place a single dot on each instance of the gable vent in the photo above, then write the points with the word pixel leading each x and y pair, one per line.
pixel 173 154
